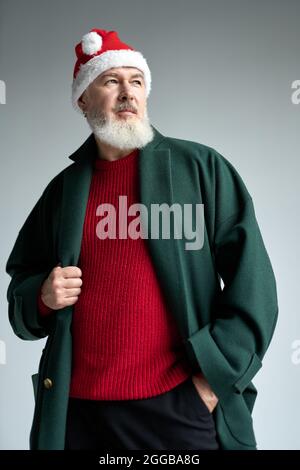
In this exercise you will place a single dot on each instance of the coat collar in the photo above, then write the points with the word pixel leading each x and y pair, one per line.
pixel 89 147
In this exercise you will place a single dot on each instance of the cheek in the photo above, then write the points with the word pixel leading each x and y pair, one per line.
pixel 96 97
pixel 107 101
pixel 143 106
pixel 143 99
pixel 99 103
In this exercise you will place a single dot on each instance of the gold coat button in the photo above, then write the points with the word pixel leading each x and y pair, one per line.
pixel 48 383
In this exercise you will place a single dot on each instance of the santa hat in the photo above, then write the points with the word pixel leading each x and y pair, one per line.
pixel 98 51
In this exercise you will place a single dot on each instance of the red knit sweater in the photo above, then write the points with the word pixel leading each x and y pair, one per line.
pixel 126 344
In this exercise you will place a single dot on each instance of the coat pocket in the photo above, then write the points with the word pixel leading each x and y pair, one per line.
pixel 238 419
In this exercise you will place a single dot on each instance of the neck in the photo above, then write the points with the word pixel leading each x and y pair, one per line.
pixel 107 152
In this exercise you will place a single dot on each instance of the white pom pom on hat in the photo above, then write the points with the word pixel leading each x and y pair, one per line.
pixel 91 43
pixel 98 51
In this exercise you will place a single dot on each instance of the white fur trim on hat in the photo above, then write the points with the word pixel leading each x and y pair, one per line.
pixel 91 43
pixel 99 64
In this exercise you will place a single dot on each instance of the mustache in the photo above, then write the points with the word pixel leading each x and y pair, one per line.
pixel 101 116
pixel 127 106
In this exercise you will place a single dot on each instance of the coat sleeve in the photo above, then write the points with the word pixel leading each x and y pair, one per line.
pixel 29 264
pixel 231 347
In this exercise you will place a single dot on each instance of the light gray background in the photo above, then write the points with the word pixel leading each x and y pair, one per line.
pixel 222 74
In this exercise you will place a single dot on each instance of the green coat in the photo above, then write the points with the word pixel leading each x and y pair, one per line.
pixel 225 332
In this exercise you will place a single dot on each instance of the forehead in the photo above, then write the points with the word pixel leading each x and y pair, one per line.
pixel 122 71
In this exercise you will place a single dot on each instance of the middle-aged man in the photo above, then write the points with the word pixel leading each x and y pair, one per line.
pixel 120 264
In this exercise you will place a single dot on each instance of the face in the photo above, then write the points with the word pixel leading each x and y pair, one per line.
pixel 116 110
pixel 114 91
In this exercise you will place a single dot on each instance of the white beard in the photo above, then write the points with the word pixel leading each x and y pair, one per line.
pixel 121 133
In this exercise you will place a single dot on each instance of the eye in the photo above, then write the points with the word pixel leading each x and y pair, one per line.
pixel 111 80
pixel 114 80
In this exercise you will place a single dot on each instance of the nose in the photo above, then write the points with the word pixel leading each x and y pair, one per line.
pixel 126 93
pixel 125 96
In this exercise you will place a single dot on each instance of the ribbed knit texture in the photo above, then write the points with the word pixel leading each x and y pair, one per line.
pixel 126 343
pixel 43 309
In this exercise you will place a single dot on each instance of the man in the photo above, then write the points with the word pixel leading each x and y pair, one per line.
pixel 145 350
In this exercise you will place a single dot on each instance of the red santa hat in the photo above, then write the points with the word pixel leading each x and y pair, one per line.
pixel 98 51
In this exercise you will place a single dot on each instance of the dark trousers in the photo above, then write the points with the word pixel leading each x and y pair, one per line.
pixel 174 420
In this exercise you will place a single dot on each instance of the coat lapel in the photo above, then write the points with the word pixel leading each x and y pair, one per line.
pixel 156 187
pixel 76 187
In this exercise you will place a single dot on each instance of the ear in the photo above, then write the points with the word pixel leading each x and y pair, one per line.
pixel 83 101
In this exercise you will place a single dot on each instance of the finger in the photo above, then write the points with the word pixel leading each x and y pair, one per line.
pixel 70 301
pixel 71 271
pixel 72 292
pixel 71 283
